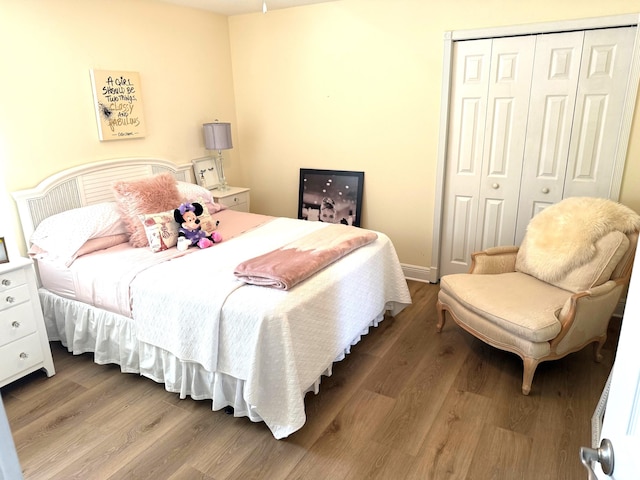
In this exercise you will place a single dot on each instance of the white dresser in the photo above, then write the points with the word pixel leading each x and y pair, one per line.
pixel 235 198
pixel 24 346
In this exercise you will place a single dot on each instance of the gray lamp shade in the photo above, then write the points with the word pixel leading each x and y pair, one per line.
pixel 217 136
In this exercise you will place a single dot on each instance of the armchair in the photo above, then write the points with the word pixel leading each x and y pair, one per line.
pixel 555 293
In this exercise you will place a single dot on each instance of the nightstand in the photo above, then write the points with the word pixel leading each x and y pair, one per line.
pixel 235 198
pixel 24 345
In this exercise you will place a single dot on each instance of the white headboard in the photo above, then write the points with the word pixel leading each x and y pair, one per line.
pixel 87 185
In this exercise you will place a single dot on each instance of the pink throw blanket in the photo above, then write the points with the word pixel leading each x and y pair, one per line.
pixel 287 266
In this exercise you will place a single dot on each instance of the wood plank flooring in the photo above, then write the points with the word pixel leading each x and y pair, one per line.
pixel 407 403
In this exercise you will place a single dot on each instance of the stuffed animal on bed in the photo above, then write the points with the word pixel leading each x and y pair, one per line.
pixel 190 232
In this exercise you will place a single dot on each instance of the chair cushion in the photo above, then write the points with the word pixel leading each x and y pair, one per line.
pixel 608 252
pixel 514 301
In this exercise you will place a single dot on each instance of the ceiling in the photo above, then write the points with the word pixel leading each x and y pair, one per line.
pixel 237 7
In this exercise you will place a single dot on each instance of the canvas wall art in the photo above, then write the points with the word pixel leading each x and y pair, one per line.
pixel 118 103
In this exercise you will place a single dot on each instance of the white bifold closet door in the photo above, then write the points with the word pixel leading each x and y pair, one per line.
pixel 533 119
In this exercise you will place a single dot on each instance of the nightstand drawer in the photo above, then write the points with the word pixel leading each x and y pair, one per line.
pixel 14 296
pixel 24 346
pixel 20 355
pixel 12 279
pixel 235 200
pixel 16 323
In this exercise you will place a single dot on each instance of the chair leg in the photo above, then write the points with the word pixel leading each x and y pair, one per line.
pixel 441 316
pixel 530 365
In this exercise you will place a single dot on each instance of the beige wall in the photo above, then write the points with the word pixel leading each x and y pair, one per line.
pixel 47 119
pixel 355 85
pixel 351 84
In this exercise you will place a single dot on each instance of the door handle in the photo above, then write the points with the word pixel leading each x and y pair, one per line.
pixel 602 455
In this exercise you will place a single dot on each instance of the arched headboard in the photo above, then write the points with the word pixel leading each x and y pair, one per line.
pixel 87 185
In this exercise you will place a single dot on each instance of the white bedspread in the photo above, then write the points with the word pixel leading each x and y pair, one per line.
pixel 285 340
pixel 180 312
pixel 206 334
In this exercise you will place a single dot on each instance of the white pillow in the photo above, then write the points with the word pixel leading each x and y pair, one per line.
pixel 62 235
pixel 190 192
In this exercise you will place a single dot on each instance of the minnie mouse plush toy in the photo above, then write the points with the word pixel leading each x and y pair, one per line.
pixel 190 231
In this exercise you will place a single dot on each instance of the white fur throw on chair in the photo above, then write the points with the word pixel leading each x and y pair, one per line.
pixel 562 236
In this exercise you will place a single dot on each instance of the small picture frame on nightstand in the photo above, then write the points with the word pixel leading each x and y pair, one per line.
pixel 4 256
pixel 205 171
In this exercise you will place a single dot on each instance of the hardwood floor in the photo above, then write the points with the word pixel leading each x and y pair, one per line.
pixel 406 403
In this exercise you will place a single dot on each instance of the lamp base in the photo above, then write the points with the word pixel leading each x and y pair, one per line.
pixel 220 171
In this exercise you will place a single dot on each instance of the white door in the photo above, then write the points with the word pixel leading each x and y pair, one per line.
pixel 533 119
pixel 604 74
pixel 490 97
pixel 622 414
pixel 505 132
pixel 576 110
pixel 465 145
pixel 556 70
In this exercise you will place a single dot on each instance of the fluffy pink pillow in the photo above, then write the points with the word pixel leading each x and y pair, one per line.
pixel 148 195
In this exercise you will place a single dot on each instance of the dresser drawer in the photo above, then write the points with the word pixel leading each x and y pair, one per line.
pixel 14 296
pixel 12 279
pixel 16 323
pixel 20 355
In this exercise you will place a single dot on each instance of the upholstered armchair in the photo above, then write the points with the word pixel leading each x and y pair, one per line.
pixel 554 294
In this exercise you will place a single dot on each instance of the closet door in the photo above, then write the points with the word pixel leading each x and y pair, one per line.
pixel 577 100
pixel 489 103
pixel 553 93
pixel 542 125
pixel 505 133
pixel 602 87
pixel 465 145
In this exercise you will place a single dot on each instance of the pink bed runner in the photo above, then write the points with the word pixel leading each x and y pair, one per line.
pixel 287 266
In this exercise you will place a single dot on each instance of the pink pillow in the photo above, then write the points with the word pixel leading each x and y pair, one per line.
pixel 148 195
pixel 90 246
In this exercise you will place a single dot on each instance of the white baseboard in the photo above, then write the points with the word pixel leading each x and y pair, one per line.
pixel 414 272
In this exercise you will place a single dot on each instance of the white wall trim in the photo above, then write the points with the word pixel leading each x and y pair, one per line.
pixel 547 27
pixel 417 273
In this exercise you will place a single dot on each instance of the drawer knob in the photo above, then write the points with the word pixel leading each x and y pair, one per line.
pixel 15 324
pixel 24 355
pixel 6 282
pixel 10 299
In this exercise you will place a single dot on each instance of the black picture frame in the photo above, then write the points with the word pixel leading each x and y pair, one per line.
pixel 4 256
pixel 322 192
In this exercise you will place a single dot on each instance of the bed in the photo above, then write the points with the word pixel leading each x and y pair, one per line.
pixel 187 319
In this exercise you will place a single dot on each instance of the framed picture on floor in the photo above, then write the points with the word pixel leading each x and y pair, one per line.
pixel 332 196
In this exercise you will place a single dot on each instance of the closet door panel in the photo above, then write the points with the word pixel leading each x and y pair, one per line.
pixel 507 112
pixel 465 144
pixel 556 70
pixel 606 61
pixel 461 220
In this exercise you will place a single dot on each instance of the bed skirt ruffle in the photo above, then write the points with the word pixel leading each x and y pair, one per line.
pixel 82 328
